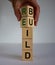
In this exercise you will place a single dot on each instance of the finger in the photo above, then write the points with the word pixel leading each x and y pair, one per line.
pixel 17 10
pixel 36 14
pixel 18 14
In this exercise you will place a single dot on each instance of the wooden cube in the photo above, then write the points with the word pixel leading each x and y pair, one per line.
pixel 27 44
pixel 27 22
pixel 27 55
pixel 27 11
pixel 27 33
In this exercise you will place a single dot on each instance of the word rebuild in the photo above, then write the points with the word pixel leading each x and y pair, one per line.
pixel 27 24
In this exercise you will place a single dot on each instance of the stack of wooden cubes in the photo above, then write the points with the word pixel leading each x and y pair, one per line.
pixel 27 24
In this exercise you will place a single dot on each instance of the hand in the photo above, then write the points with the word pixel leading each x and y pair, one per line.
pixel 17 4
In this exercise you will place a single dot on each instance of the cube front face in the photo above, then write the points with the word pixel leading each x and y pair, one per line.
pixel 27 11
pixel 27 33
pixel 24 22
pixel 27 55
pixel 27 44
pixel 27 22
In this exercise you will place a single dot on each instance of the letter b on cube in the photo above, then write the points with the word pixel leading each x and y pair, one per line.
pixel 27 11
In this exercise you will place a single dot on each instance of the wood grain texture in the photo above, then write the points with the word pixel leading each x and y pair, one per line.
pixel 27 44
pixel 27 11
pixel 27 33
pixel 27 22
pixel 27 55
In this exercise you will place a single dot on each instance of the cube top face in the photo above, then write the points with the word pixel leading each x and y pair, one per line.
pixel 27 22
pixel 27 11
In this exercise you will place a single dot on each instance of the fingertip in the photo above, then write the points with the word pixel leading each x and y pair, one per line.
pixel 35 23
pixel 19 18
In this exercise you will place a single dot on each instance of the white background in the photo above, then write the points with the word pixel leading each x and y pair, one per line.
pixel 10 31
